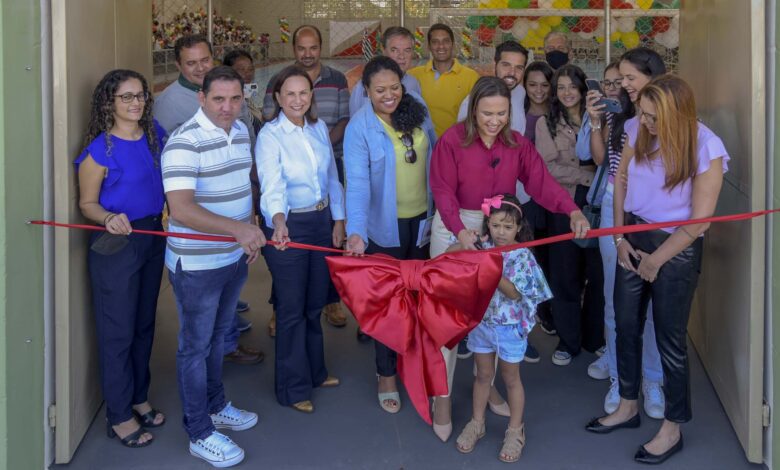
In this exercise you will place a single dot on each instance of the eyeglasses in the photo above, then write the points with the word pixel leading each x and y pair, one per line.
pixel 611 84
pixel 648 117
pixel 410 155
pixel 128 97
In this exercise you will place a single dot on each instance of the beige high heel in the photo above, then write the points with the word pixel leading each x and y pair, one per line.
pixel 442 431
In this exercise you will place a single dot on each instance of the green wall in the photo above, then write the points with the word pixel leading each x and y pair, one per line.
pixel 21 253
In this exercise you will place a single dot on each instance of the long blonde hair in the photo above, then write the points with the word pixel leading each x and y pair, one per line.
pixel 676 127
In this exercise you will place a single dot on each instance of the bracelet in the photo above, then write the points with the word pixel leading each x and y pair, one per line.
pixel 618 241
pixel 688 233
pixel 108 218
pixel 595 127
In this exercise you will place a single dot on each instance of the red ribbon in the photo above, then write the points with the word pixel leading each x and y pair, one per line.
pixel 599 232
pixel 415 307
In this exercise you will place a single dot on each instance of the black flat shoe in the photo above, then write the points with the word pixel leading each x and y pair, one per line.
pixel 643 456
pixel 595 426
pixel 362 337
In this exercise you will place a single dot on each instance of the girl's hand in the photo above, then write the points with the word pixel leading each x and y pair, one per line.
pixel 579 224
pixel 119 224
pixel 467 239
pixel 355 245
pixel 339 233
pixel 625 252
pixel 594 111
pixel 648 267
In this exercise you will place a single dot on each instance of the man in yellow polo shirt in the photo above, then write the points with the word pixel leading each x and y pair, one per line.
pixel 444 81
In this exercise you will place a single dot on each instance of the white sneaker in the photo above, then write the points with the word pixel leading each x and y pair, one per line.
pixel 599 369
pixel 218 450
pixel 561 358
pixel 234 419
pixel 612 400
pixel 601 351
pixel 655 404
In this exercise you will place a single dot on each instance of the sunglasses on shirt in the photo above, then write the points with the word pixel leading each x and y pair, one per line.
pixel 408 141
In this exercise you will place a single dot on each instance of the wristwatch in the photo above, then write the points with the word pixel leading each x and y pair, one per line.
pixel 618 241
pixel 595 126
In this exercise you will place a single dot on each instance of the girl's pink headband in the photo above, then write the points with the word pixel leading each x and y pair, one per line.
pixel 495 202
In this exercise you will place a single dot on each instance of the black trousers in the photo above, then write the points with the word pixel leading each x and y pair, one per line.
pixel 386 358
pixel 125 286
pixel 300 289
pixel 672 295
pixel 577 283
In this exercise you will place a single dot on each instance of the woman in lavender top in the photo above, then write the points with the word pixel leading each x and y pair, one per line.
pixel 674 169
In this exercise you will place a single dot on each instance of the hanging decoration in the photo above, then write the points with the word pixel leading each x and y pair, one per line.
pixel 418 42
pixel 284 29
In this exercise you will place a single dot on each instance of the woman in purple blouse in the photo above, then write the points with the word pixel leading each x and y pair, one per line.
pixel 120 187
pixel 674 169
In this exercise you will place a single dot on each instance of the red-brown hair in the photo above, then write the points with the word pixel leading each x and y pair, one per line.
pixel 676 127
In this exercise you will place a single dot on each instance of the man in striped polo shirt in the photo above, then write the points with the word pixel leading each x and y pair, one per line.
pixel 205 167
pixel 331 97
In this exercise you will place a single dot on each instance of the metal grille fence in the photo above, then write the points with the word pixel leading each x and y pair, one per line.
pixel 264 28
pixel 479 30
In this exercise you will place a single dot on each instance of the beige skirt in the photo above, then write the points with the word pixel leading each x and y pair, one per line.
pixel 441 238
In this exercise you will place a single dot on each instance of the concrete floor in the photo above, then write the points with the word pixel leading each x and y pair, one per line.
pixel 348 429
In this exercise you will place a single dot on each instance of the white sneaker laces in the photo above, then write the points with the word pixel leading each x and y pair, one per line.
pixel 216 443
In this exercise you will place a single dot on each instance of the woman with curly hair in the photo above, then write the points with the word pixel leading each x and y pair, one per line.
pixel 387 149
pixel 120 187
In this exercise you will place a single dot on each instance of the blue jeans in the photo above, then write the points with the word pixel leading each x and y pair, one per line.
pixel 206 301
pixel 651 360
pixel 231 337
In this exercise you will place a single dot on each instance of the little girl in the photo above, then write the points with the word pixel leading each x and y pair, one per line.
pixel 504 328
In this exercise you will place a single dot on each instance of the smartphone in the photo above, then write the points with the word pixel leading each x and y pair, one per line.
pixel 250 89
pixel 594 85
pixel 612 105
pixel 634 261
pixel 478 244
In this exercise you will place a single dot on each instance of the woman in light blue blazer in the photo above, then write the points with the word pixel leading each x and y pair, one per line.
pixel 387 154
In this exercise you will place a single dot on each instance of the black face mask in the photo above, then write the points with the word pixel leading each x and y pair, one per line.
pixel 557 59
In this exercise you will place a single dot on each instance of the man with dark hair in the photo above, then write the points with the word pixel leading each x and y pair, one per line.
pixel 331 97
pixel 179 101
pixel 443 80
pixel 398 44
pixel 205 167
pixel 175 105
pixel 511 59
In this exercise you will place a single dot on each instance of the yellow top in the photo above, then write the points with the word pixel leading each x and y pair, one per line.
pixel 411 189
pixel 444 94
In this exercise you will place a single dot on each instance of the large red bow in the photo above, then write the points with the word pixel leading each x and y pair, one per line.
pixel 416 307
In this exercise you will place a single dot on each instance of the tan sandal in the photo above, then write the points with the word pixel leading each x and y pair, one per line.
pixel 473 432
pixel 514 441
